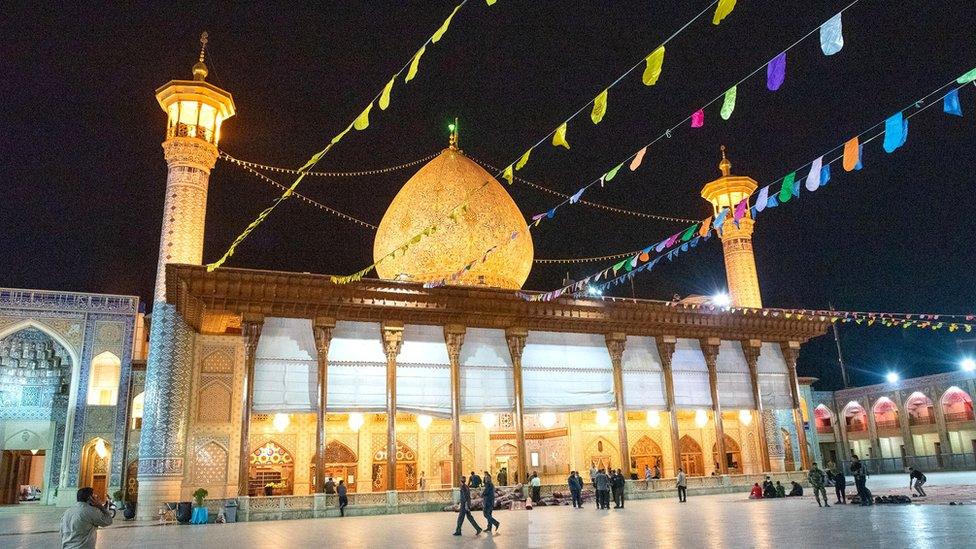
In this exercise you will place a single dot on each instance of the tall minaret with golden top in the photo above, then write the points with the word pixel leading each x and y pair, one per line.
pixel 740 263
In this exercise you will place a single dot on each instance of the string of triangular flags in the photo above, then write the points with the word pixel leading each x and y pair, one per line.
pixel 831 42
pixel 895 133
pixel 382 99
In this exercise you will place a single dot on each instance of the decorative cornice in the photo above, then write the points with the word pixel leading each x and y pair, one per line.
pixel 68 301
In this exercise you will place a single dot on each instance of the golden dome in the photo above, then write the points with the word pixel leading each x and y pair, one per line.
pixel 427 199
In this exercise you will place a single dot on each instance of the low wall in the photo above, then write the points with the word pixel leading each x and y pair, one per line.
pixel 385 503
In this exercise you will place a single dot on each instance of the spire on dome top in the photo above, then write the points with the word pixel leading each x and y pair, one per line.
pixel 453 142
pixel 725 166
pixel 200 69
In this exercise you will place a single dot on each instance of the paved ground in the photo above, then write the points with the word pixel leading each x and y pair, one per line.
pixel 712 521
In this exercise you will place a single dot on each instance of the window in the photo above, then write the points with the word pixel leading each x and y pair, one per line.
pixel 534 458
pixel 138 404
pixel 103 384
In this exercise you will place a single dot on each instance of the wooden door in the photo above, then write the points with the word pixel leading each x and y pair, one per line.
pixel 447 473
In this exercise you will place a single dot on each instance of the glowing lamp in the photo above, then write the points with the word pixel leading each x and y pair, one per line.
pixel 721 299
pixel 424 421
pixel 547 419
pixel 489 419
pixel 968 364
pixel 355 421
pixel 892 377
pixel 34 452
pixel 745 417
pixel 602 417
pixel 100 448
pixel 594 291
pixel 280 422
pixel 701 418
pixel 653 419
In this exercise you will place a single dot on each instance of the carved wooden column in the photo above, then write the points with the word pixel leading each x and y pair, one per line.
pixel 665 349
pixel 251 325
pixel 751 350
pixel 322 330
pixel 791 350
pixel 392 342
pixel 615 345
pixel 709 347
pixel 516 344
pixel 454 336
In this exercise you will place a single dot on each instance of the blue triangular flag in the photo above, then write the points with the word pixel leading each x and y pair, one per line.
pixel 860 158
pixel 825 175
pixel 772 202
pixel 894 132
pixel 950 104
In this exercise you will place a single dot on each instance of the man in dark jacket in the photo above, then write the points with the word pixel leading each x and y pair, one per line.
pixel 474 481
pixel 342 490
pixel 602 483
pixel 860 481
pixel 618 489
pixel 330 486
pixel 488 501
pixel 576 489
pixel 769 489
pixel 464 510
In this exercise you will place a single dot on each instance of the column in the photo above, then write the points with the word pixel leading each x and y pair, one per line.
pixel 845 443
pixel 751 349
pixel 791 351
pixel 665 348
pixel 454 337
pixel 709 348
pixel 251 326
pixel 516 344
pixel 904 421
pixel 875 450
pixel 940 422
pixel 392 341
pixel 322 330
pixel 615 345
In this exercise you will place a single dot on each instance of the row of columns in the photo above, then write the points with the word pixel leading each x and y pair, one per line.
pixel 392 336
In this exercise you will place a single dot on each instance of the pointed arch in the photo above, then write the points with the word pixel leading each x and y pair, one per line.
pixel 692 460
pixel 103 381
pixel 210 464
pixel 733 454
pixel 885 413
pixel 920 409
pixel 824 419
pixel 271 463
pixel 957 405
pixel 789 460
pixel 602 453
pixel 214 401
pixel 855 417
pixel 645 452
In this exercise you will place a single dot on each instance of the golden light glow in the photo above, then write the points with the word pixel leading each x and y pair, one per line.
pixel 489 419
pixel 701 418
pixel 745 417
pixel 653 419
pixel 34 452
pixel 100 450
pixel 426 200
pixel 424 421
pixel 602 417
pixel 547 419
pixel 356 421
pixel 280 422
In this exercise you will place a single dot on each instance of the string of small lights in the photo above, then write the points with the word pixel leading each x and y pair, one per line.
pixel 362 173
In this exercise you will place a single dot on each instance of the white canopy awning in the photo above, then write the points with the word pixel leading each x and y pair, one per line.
pixel 691 387
pixel 734 380
pixel 285 367
pixel 424 372
pixel 566 372
pixel 487 384
pixel 642 375
pixel 774 380
pixel 357 368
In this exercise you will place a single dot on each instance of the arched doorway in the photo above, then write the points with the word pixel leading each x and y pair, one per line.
pixel 601 453
pixel 855 418
pixel 733 455
pixel 824 419
pixel 271 464
pixel 95 459
pixel 506 458
pixel 692 460
pixel 790 461
pixel 340 464
pixel 957 405
pixel 920 409
pixel 885 414
pixel 645 452
pixel 406 468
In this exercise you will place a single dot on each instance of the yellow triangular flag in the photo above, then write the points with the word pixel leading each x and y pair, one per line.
pixel 491 2
pixel 412 71
pixel 385 96
pixel 508 175
pixel 522 161
pixel 362 121
pixel 599 107
pixel 340 135
pixel 655 61
pixel 723 10
pixel 447 22
pixel 559 138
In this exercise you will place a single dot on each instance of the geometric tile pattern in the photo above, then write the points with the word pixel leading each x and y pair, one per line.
pixel 210 465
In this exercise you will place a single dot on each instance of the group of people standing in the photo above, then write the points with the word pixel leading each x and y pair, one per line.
pixel 608 484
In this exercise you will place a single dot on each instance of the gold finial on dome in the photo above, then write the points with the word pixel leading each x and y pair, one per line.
pixel 725 166
pixel 455 135
pixel 200 69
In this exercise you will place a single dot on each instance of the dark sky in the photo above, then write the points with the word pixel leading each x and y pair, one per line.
pixel 83 171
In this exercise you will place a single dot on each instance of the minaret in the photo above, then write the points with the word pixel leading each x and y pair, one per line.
pixel 195 110
pixel 740 264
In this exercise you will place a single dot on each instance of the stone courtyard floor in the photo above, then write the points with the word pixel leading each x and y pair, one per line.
pixel 728 520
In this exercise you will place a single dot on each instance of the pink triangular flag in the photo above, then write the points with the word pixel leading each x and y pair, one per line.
pixel 638 159
pixel 698 119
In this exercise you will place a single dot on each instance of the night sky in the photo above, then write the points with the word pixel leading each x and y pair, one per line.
pixel 84 174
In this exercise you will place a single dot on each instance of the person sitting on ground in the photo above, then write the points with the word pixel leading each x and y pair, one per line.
pixel 919 478
pixel 780 490
pixel 796 490
pixel 769 490
pixel 756 492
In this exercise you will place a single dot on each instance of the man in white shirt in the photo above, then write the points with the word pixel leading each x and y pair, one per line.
pixel 79 524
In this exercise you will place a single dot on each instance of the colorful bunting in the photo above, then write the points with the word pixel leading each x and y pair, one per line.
pixel 698 119
pixel 439 33
pixel 825 175
pixel 415 64
pixel 832 35
pixel 508 174
pixel 362 121
pixel 860 158
pixel 654 63
pixel 728 104
pixel 638 158
pixel 723 10
pixel 852 154
pixel 385 95
pixel 894 135
pixel 776 72
pixel 559 137
pixel 612 173
pixel 950 103
pixel 813 178
pixel 967 78
pixel 522 161
pixel 786 191
pixel 762 199
pixel 599 107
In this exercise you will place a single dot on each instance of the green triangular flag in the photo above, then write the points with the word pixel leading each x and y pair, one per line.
pixel 612 173
pixel 729 104
pixel 786 191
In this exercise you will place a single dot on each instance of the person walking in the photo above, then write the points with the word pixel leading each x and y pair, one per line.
pixel 840 483
pixel 860 480
pixel 342 490
pixel 682 483
pixel 422 483
pixel 330 486
pixel 464 509
pixel 919 478
pixel 618 483
pixel 79 524
pixel 647 477
pixel 536 483
pixel 817 480
pixel 488 503
pixel 602 482
pixel 576 489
